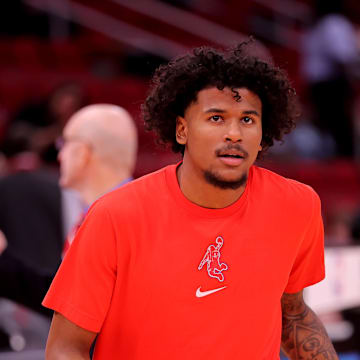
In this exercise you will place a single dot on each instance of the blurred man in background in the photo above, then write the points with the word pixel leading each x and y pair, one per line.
pixel 97 154
pixel 98 150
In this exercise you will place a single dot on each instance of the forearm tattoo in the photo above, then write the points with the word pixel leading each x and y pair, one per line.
pixel 303 335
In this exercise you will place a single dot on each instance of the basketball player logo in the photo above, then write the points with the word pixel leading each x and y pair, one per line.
pixel 212 260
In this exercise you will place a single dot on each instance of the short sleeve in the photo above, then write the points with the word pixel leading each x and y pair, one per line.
pixel 83 286
pixel 308 267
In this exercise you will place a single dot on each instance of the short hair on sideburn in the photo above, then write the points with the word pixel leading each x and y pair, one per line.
pixel 176 85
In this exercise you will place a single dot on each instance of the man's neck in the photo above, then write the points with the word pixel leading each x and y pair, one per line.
pixel 92 191
pixel 197 190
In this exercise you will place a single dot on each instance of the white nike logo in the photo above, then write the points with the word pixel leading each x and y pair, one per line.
pixel 201 294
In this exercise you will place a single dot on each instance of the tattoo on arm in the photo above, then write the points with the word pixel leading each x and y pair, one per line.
pixel 303 335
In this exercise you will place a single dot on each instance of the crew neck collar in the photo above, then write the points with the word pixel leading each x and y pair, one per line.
pixel 200 211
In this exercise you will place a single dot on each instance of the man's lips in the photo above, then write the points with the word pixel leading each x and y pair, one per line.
pixel 232 155
pixel 232 151
pixel 231 161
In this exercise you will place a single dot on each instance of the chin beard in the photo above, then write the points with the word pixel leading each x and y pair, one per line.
pixel 215 180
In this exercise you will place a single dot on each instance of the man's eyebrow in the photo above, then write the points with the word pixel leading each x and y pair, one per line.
pixel 251 112
pixel 221 111
pixel 214 110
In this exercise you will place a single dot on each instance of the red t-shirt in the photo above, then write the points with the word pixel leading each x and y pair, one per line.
pixel 162 278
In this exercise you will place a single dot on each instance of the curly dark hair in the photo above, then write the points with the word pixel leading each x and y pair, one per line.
pixel 176 85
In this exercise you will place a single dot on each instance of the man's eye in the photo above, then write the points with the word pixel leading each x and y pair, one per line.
pixel 247 120
pixel 216 118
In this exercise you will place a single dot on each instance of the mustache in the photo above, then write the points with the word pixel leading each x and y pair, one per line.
pixel 229 147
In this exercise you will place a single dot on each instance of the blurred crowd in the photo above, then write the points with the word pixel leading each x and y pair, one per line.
pixel 36 214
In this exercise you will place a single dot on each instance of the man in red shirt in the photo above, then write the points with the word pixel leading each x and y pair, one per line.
pixel 135 276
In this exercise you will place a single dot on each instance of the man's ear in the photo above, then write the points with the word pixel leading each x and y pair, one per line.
pixel 181 130
pixel 84 154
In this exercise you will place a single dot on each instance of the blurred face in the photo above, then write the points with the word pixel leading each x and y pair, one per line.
pixel 72 159
pixel 222 135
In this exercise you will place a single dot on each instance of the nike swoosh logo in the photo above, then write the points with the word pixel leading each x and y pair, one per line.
pixel 201 294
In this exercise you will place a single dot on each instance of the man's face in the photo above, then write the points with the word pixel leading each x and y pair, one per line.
pixel 71 158
pixel 222 135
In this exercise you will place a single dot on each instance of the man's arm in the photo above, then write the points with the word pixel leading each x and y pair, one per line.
pixel 68 341
pixel 303 334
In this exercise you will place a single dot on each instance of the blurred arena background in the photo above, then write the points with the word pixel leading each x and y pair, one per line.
pixel 58 55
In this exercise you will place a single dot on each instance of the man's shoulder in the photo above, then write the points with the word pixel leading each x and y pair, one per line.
pixel 284 187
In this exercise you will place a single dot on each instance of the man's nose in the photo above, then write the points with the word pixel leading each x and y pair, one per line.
pixel 233 131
